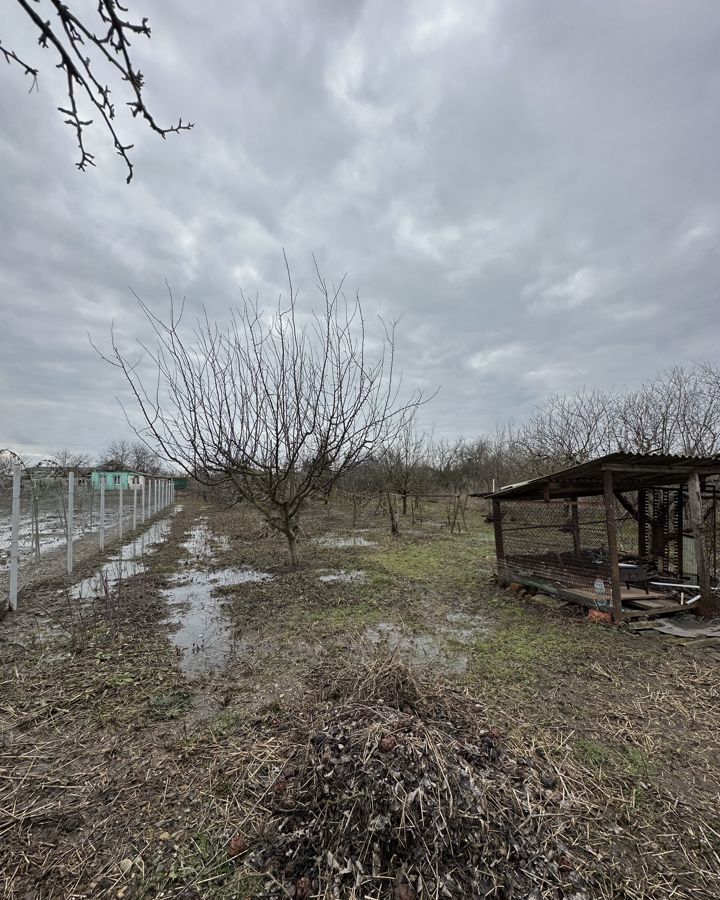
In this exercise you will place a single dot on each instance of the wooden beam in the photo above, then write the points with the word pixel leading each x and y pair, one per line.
pixel 707 606
pixel 575 516
pixel 611 522
pixel 499 545
pixel 668 610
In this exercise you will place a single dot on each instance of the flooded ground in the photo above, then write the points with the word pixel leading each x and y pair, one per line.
pixel 351 541
pixel 424 648
pixel 126 563
pixel 201 630
pixel 343 577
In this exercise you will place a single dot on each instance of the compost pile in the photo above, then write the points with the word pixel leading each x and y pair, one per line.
pixel 395 789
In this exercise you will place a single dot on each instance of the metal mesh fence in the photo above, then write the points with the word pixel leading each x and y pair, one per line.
pixel 565 543
pixel 6 484
pixel 51 511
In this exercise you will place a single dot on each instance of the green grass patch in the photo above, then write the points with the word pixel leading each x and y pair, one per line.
pixel 617 759
pixel 170 705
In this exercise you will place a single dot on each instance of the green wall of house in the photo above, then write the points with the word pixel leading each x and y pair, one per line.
pixel 113 480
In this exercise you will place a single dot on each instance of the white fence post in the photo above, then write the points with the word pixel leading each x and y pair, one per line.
pixel 135 493
pixel 120 508
pixel 102 512
pixel 15 536
pixel 70 521
pixel 142 500
pixel 155 503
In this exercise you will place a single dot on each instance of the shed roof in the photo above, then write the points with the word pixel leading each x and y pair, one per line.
pixel 631 471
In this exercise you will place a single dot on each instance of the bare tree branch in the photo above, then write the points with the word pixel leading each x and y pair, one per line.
pixel 74 40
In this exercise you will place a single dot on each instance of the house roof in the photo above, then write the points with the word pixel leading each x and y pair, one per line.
pixel 631 471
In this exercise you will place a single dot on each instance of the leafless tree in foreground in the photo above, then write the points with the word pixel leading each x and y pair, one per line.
pixel 268 408
pixel 89 51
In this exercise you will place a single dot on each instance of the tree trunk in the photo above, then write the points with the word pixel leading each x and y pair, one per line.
pixel 291 536
pixel 404 496
pixel 393 515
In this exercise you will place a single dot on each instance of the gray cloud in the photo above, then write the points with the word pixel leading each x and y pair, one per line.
pixel 531 188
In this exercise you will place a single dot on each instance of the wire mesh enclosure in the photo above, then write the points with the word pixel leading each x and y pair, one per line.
pixel 563 542
pixel 624 532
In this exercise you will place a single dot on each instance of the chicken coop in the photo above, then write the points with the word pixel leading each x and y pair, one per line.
pixel 634 535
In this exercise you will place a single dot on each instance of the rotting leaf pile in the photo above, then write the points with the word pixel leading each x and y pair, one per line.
pixel 397 789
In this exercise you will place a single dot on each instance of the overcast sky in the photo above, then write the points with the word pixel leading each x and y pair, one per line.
pixel 531 187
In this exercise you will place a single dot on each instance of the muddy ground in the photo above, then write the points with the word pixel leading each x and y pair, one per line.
pixel 144 722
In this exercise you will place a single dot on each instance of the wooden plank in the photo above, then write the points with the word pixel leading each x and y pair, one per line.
pixel 705 605
pixel 612 544
pixel 659 611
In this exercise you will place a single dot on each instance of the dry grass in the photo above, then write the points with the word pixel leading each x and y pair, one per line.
pixel 566 760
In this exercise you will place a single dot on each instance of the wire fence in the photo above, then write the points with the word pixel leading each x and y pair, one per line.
pixel 49 524
pixel 565 542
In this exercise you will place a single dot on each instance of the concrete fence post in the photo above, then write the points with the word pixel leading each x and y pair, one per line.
pixel 15 536
pixel 70 521
pixel 135 493
pixel 155 504
pixel 142 500
pixel 120 509
pixel 102 512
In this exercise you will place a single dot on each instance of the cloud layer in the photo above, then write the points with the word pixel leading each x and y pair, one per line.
pixel 530 188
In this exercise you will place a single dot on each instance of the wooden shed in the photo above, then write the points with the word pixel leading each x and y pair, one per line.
pixel 635 534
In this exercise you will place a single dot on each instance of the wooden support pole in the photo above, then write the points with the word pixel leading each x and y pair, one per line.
pixel 575 516
pixel 680 539
pixel 707 606
pixel 642 522
pixel 612 544
pixel 499 546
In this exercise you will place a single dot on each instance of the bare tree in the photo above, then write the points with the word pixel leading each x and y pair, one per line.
pixel 676 412
pixel 268 408
pixel 404 462
pixel 89 51
pixel 135 455
pixel 568 429
pixel 8 459
pixel 68 459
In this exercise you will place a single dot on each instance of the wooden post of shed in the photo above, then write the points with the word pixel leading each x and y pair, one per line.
pixel 706 607
pixel 611 522
pixel 499 547
pixel 575 518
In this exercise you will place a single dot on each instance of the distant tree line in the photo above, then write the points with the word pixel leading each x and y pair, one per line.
pixel 131 455
pixel 676 412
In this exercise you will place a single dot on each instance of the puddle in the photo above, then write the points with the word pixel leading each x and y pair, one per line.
pixel 344 577
pixel 123 564
pixel 200 542
pixel 419 648
pixel 466 627
pixel 201 629
pixel 331 541
pixel 112 574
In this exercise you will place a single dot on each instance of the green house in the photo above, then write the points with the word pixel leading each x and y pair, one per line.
pixel 116 478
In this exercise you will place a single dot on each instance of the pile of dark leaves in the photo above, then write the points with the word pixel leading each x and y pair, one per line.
pixel 396 789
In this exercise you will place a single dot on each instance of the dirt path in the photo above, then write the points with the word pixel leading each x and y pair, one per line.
pixel 139 736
